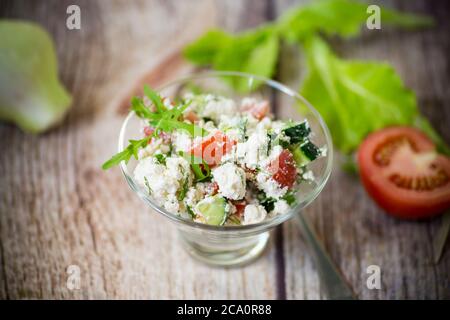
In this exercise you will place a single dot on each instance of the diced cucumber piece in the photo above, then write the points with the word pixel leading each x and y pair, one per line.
pixel 299 157
pixel 213 209
pixel 298 133
pixel 310 150
pixel 305 153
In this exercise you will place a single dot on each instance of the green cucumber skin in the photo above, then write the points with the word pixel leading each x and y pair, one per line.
pixel 298 133
pixel 305 153
pixel 215 212
pixel 310 150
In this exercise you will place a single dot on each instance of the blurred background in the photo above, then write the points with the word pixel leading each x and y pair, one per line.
pixel 58 208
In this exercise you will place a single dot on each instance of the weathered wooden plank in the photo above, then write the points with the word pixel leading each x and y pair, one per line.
pixel 357 233
pixel 58 207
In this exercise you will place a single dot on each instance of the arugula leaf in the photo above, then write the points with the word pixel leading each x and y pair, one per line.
pixel 137 105
pixel 190 212
pixel 184 189
pixel 200 168
pixel 290 197
pixel 125 155
pixel 355 97
pixel 340 17
pixel 154 98
pixel 161 158
pixel 198 171
pixel 163 119
pixel 169 125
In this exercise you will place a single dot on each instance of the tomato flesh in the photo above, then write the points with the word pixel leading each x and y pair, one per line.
pixel 258 109
pixel 403 173
pixel 284 169
pixel 148 131
pixel 212 148
pixel 191 116
pixel 240 207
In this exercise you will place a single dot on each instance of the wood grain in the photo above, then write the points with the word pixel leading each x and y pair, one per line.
pixel 58 208
pixel 356 232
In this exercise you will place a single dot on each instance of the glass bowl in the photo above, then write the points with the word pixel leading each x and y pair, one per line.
pixel 235 245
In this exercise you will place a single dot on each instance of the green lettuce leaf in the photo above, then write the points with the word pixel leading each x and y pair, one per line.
pixel 31 95
pixel 256 51
pixel 355 97
pixel 253 52
pixel 204 50
pixel 340 17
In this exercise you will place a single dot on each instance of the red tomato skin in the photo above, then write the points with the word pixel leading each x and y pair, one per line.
pixel 284 169
pixel 240 207
pixel 192 117
pixel 215 188
pixel 395 201
pixel 258 109
pixel 148 131
pixel 212 148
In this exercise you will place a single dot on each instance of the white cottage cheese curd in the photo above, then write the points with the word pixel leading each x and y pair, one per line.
pixel 237 183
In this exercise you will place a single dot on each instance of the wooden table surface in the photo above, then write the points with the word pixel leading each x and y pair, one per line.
pixel 58 208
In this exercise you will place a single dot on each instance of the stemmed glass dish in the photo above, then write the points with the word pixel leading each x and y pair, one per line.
pixel 234 245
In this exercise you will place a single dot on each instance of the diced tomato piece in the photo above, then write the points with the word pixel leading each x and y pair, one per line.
pixel 213 147
pixel 240 207
pixel 191 116
pixel 283 169
pixel 164 101
pixel 165 136
pixel 258 109
pixel 148 131
pixel 215 188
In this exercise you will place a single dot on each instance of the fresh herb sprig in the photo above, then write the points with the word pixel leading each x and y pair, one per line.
pixel 162 119
pixel 125 155
pixel 200 168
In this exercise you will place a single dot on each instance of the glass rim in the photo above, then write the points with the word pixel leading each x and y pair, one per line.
pixel 264 225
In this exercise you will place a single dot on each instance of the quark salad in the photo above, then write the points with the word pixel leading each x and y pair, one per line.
pixel 218 161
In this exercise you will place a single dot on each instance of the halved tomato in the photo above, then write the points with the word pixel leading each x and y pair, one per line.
pixel 284 169
pixel 403 173
pixel 212 148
